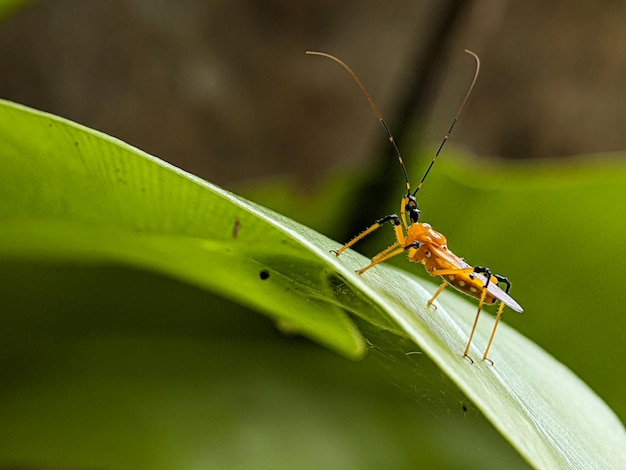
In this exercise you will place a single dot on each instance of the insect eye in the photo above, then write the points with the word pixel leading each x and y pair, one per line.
pixel 411 203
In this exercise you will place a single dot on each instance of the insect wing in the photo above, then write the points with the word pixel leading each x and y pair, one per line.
pixel 499 294
pixel 447 259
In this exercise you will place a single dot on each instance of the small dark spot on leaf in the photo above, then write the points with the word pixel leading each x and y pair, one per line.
pixel 236 228
pixel 264 274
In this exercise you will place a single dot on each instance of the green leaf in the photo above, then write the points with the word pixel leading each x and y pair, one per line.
pixel 69 194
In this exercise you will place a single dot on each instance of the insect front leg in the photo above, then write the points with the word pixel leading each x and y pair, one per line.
pixel 391 251
pixel 375 226
pixel 394 250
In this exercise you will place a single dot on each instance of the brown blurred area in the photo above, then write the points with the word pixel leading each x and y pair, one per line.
pixel 223 89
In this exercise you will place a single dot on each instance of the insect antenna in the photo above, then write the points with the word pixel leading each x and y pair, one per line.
pixel 456 117
pixel 374 108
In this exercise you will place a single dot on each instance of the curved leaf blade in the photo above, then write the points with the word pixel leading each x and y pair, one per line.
pixel 72 194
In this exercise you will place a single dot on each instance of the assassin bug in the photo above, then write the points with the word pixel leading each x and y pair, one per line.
pixel 423 244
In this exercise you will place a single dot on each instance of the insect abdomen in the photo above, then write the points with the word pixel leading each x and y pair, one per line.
pixel 469 285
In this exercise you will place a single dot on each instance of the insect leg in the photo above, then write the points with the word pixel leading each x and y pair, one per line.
pixel 436 294
pixel 390 252
pixel 383 255
pixel 493 333
pixel 504 280
pixel 393 250
pixel 375 226
pixel 443 272
pixel 481 302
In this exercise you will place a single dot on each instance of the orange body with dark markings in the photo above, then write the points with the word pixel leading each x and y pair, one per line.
pixel 424 245
pixel 434 254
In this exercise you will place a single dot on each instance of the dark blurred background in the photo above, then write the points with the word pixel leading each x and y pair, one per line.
pixel 224 90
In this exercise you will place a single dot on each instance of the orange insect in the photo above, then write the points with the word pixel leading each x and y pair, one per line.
pixel 424 245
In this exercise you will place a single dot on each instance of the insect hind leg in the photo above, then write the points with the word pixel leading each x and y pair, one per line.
pixel 506 282
pixel 499 279
pixel 503 280
pixel 481 302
